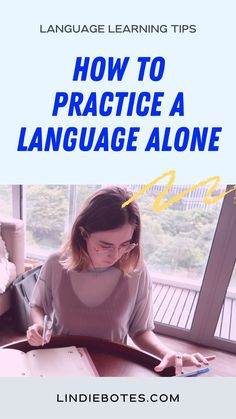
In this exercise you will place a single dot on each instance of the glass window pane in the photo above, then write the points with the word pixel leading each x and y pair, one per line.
pixel 226 326
pixel 82 193
pixel 46 218
pixel 6 200
pixel 176 243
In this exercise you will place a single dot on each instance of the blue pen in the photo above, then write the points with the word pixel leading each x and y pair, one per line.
pixel 194 373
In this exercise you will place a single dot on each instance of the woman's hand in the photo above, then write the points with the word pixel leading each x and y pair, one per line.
pixel 149 342
pixel 34 335
pixel 178 360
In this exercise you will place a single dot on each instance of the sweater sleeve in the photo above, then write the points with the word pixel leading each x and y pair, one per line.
pixel 142 314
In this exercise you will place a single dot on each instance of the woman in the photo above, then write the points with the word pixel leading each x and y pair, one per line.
pixel 98 285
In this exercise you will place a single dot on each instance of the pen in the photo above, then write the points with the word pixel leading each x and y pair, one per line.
pixel 194 373
pixel 45 319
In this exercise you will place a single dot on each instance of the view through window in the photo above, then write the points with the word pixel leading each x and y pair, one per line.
pixel 50 210
pixel 6 200
pixel 176 245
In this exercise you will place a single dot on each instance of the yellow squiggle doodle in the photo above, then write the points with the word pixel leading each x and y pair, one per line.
pixel 158 206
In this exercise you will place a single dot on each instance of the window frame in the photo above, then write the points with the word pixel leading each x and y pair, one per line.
pixel 215 283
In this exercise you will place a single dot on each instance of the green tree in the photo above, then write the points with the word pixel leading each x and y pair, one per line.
pixel 47 208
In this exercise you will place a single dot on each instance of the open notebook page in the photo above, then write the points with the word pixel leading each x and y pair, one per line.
pixel 68 361
pixel 13 363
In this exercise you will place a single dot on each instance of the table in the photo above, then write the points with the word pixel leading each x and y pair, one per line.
pixel 111 359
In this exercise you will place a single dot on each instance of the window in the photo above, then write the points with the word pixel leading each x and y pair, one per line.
pixel 46 217
pixel 6 200
pixel 176 244
pixel 226 326
pixel 190 249
pixel 49 212
pixel 219 267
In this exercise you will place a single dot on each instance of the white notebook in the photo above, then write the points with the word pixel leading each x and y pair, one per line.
pixel 50 362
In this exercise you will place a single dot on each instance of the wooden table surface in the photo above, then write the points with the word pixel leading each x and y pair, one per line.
pixel 111 359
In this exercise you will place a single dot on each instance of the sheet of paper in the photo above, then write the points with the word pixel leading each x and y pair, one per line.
pixel 59 362
pixel 13 363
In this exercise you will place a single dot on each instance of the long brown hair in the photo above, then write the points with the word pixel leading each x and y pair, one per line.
pixel 102 211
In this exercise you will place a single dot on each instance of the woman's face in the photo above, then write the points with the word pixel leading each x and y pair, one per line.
pixel 105 248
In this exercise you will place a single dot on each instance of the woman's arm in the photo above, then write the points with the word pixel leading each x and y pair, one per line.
pixel 34 332
pixel 37 315
pixel 41 302
pixel 149 342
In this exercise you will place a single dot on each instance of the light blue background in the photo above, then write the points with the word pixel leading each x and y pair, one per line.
pixel 35 66
pixel 199 398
